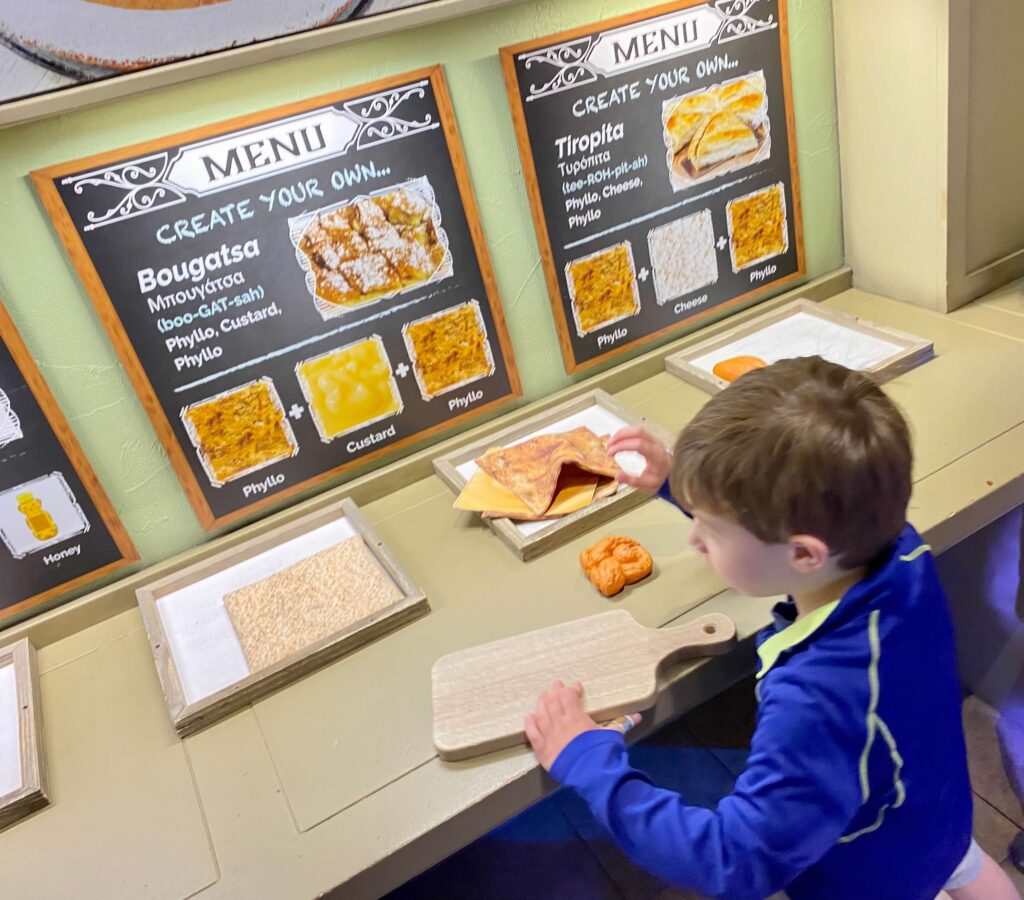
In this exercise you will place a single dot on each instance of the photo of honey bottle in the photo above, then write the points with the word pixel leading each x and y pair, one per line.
pixel 39 521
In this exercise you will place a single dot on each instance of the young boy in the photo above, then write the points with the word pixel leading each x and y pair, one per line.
pixel 797 478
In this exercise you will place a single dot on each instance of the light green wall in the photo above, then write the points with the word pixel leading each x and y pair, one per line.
pixel 57 321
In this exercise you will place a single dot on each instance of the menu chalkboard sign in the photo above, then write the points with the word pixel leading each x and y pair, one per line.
pixel 294 292
pixel 57 527
pixel 660 161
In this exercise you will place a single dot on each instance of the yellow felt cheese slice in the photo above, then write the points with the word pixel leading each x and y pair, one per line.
pixel 576 490
pixel 484 493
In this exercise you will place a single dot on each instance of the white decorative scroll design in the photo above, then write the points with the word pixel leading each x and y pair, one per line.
pixel 569 62
pixel 377 116
pixel 738 23
pixel 126 190
pixel 10 426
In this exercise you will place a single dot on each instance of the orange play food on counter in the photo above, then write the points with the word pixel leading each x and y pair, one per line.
pixel 614 562
pixel 731 369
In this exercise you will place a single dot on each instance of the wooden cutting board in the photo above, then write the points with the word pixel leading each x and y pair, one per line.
pixel 482 694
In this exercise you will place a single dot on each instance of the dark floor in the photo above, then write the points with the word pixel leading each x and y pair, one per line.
pixel 557 850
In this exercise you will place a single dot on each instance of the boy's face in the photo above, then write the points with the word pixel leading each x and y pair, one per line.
pixel 748 564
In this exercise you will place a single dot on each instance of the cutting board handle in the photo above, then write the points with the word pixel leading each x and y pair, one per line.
pixel 710 635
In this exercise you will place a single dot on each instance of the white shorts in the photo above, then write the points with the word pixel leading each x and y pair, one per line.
pixel 963 874
pixel 969 868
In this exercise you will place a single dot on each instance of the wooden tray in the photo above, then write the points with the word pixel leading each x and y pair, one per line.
pixel 540 537
pixel 906 351
pixel 32 794
pixel 190 709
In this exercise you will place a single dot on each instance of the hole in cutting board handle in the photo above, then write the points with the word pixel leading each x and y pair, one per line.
pixel 709 629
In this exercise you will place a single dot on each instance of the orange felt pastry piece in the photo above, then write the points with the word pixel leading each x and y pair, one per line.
pixel 614 562
pixel 607 576
pixel 531 469
pixel 731 369
pixel 634 560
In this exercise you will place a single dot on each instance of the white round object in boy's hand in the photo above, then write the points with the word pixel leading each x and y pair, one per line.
pixel 631 462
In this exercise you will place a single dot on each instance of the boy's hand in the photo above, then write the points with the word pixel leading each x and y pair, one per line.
pixel 659 461
pixel 558 718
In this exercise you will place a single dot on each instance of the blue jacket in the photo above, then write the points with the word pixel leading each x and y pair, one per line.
pixel 856 785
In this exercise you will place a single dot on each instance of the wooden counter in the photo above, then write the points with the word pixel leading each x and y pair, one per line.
pixel 332 784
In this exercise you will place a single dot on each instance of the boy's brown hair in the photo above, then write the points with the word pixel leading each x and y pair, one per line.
pixel 802 446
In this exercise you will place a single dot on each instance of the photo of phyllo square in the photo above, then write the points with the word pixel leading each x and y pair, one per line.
pixel 349 388
pixel 757 226
pixel 239 431
pixel 602 288
pixel 449 349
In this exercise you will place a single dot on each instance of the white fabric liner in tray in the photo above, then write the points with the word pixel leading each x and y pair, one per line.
pixel 206 651
pixel 10 732
pixel 597 419
pixel 804 334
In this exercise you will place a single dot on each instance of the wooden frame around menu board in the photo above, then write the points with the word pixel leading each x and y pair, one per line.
pixel 69 444
pixel 562 323
pixel 45 182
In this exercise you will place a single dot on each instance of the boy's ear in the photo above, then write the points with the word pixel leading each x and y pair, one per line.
pixel 807 553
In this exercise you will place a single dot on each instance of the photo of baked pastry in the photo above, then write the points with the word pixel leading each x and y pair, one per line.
pixel 683 255
pixel 239 431
pixel 371 248
pixel 449 349
pixel 349 388
pixel 602 287
pixel 716 130
pixel 757 226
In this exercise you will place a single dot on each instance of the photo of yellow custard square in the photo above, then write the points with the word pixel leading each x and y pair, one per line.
pixel 349 388
pixel 239 431
pixel 449 349
pixel 603 288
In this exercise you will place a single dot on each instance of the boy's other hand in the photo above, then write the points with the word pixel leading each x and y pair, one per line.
pixel 558 718
pixel 658 459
